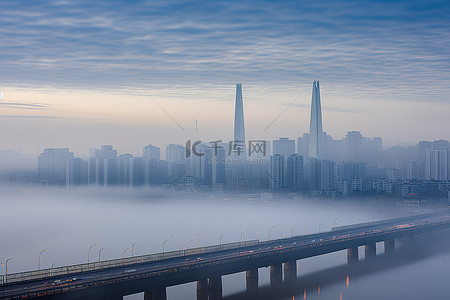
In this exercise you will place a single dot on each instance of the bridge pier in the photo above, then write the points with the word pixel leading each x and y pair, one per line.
pixel 111 296
pixel 352 255
pixel 251 279
pixel 370 250
pixel 215 288
pixel 158 293
pixel 202 289
pixel 290 270
pixel 276 277
pixel 389 246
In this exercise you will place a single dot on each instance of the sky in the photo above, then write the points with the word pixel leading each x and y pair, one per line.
pixel 80 74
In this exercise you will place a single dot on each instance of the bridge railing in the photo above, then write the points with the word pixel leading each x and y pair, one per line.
pixel 121 262
pixel 384 222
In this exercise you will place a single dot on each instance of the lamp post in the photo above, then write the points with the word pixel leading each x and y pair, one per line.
pixel 173 235
pixel 6 268
pixel 132 249
pixel 220 239
pixel 90 251
pixel 335 221
pixel 273 227
pixel 51 269
pixel 293 227
pixel 99 251
pixel 196 238
pixel 123 253
pixel 39 259
pixel 243 233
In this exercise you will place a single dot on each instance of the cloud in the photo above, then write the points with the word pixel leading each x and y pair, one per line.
pixel 45 117
pixel 385 49
pixel 18 105
pixel 328 108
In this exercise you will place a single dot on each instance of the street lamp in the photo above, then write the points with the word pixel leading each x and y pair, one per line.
pixel 90 250
pixel 293 227
pixel 132 249
pixel 335 221
pixel 194 240
pixel 99 251
pixel 243 233
pixel 123 253
pixel 173 235
pixel 39 260
pixel 6 267
pixel 220 239
pixel 273 227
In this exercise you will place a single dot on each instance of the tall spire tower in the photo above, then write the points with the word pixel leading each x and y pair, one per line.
pixel 239 131
pixel 315 125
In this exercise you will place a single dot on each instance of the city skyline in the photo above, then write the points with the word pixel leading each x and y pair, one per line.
pixel 77 74
pixel 318 165
pixel 191 133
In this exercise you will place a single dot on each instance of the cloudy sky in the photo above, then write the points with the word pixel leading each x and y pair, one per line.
pixel 80 74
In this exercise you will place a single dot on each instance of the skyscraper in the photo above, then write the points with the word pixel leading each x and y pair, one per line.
pixel 315 125
pixel 239 130
pixel 236 170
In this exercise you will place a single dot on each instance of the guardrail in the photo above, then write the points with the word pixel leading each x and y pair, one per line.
pixel 387 221
pixel 95 266
pixel 122 262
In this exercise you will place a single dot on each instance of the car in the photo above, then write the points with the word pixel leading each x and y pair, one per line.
pixel 199 259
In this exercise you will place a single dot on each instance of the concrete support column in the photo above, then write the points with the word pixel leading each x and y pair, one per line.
pixel 370 250
pixel 202 289
pixel 111 296
pixel 352 255
pixel 290 270
pixel 276 277
pixel 215 288
pixel 389 246
pixel 159 293
pixel 251 279
pixel 148 295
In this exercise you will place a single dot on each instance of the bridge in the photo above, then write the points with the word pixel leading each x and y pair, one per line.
pixel 151 274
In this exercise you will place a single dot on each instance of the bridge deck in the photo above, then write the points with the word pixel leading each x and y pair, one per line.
pixel 133 275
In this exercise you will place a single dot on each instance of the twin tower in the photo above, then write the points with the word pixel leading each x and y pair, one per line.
pixel 315 123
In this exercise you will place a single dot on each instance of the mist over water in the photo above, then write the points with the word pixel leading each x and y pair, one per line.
pixel 68 221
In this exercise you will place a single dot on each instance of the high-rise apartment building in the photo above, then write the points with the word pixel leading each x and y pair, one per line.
pixel 354 146
pixel 294 172
pixel 151 152
pixel 54 166
pixel 176 157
